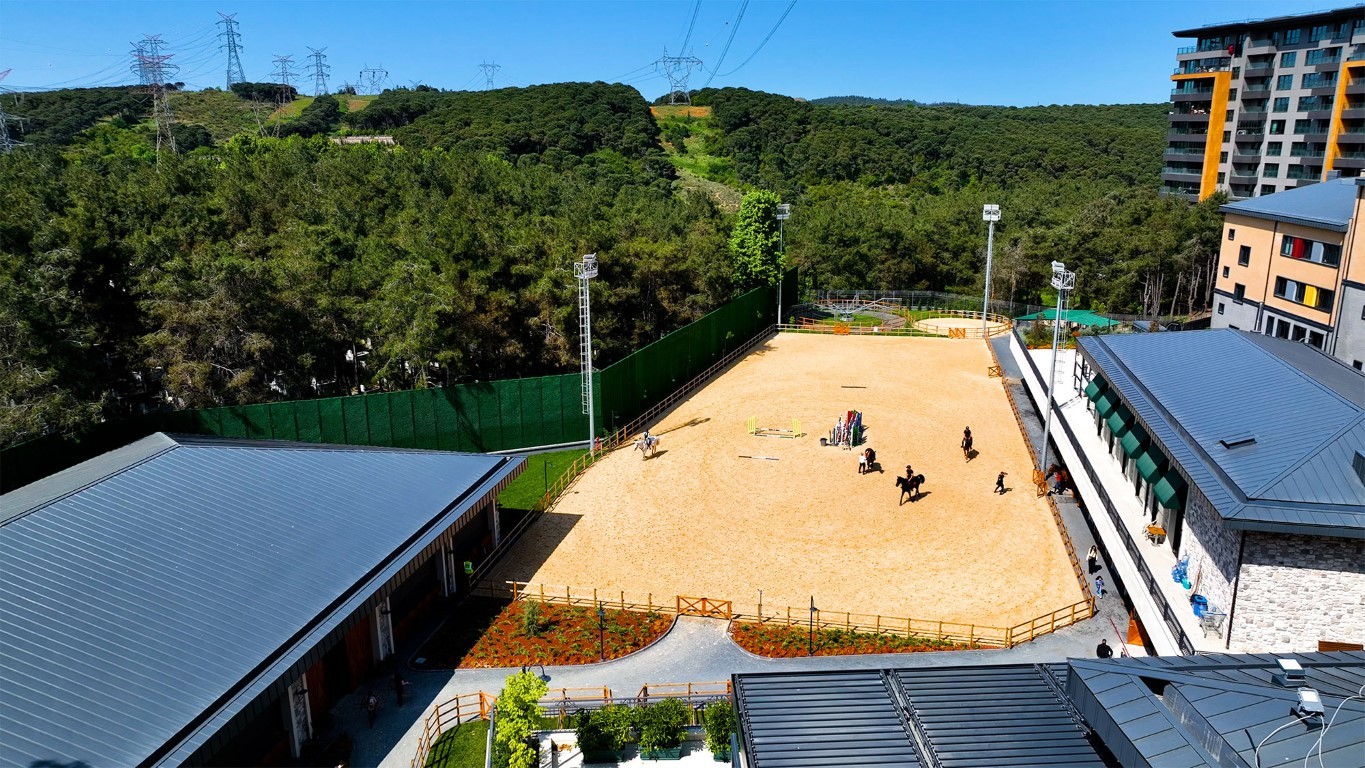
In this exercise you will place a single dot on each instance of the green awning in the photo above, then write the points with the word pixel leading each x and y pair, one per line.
pixel 1095 388
pixel 1151 464
pixel 1135 439
pixel 1120 419
pixel 1106 402
pixel 1168 490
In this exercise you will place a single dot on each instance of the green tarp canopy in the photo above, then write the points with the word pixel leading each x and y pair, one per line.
pixel 1168 490
pixel 1095 388
pixel 1078 316
pixel 1104 405
pixel 1150 464
pixel 1120 419
pixel 1135 439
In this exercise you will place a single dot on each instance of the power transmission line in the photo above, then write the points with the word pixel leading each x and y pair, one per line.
pixel 156 67
pixel 769 36
pixel 232 42
pixel 743 4
pixel 320 69
pixel 7 144
pixel 372 80
pixel 489 72
pixel 696 7
pixel 284 74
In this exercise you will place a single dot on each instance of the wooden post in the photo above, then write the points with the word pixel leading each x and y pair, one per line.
pixel 623 600
pixel 879 623
pixel 542 592
pixel 940 630
pixel 649 602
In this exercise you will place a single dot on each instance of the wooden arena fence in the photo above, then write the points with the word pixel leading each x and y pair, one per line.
pixel 557 703
pixel 921 328
pixel 985 636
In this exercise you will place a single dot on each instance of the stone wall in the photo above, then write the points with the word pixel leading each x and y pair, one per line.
pixel 1297 590
pixel 1212 548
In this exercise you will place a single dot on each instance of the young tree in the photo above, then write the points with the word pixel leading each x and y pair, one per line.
pixel 754 241
pixel 518 718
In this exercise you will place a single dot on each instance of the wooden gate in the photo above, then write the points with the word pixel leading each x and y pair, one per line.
pixel 703 606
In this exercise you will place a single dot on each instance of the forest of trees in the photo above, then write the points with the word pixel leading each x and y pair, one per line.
pixel 250 268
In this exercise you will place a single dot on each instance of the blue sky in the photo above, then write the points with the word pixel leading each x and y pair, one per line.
pixel 1016 53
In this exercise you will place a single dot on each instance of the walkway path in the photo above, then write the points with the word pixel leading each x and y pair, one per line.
pixel 699 650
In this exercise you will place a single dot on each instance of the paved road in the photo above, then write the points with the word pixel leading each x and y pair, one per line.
pixel 699 650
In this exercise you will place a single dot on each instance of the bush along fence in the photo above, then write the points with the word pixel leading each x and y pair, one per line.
pixel 561 705
pixel 1085 608
pixel 503 415
pixel 959 633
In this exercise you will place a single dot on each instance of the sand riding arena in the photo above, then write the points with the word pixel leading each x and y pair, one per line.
pixel 725 514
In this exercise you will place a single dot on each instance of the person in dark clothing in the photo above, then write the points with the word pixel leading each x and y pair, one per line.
pixel 371 707
pixel 1000 483
pixel 1103 651
pixel 398 683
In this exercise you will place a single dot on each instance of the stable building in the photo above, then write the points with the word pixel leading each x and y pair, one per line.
pixel 1172 712
pixel 202 601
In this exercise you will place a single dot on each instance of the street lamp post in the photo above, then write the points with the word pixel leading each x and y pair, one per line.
pixel 784 212
pixel 1063 281
pixel 989 214
pixel 810 634
pixel 601 632
pixel 586 270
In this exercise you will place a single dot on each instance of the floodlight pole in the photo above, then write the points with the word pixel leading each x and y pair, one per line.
pixel 784 212
pixel 1063 281
pixel 989 214
pixel 585 270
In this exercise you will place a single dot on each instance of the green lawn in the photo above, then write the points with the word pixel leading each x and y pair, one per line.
pixel 462 747
pixel 541 471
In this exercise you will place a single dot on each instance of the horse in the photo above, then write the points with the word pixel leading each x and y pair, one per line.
pixel 647 446
pixel 909 486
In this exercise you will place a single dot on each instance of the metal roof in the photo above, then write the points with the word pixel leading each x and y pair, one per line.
pixel 955 717
pixel 1275 22
pixel 1327 205
pixel 1195 389
pixel 153 592
pixel 1172 711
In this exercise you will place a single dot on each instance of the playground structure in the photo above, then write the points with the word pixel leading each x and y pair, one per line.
pixel 847 431
pixel 751 426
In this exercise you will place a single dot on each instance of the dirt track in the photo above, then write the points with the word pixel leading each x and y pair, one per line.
pixel 699 520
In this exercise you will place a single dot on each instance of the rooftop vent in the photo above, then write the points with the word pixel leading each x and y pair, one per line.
pixel 1290 674
pixel 1235 441
pixel 1358 464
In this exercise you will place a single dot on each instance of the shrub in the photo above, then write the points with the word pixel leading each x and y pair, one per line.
pixel 617 721
pixel 518 717
pixel 588 730
pixel 719 719
pixel 532 620
pixel 663 725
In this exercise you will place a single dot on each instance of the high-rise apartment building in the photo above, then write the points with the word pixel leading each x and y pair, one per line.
pixel 1263 106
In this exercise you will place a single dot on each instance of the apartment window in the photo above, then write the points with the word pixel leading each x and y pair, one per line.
pixel 1322 54
pixel 1310 103
pixel 1228 115
pixel 1360 25
pixel 1359 366
pixel 1317 34
pixel 1303 249
pixel 1226 271
pixel 1232 94
pixel 1284 83
pixel 1281 104
pixel 1274 148
pixel 1222 157
pixel 1244 256
pixel 1276 127
pixel 1291 36
pixel 1222 177
pixel 1272 171
pixel 1227 136
pixel 1220 307
pixel 1232 234
pixel 1316 338
pixel 1300 127
pixel 1305 294
pixel 1236 72
pixel 1287 59
pixel 1239 293
pixel 1319 79
pixel 1267 189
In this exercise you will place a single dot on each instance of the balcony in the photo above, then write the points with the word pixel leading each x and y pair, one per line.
pixel 1177 173
pixel 1353 113
pixel 1200 66
pixel 1306 152
pixel 1304 172
pixel 1250 129
pixel 1186 49
pixel 1179 131
pixel 1244 172
pixel 1240 152
pixel 1251 111
pixel 1261 66
pixel 1352 154
pixel 1186 151
pixel 1255 92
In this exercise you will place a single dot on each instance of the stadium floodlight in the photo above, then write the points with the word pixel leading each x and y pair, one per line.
pixel 989 214
pixel 585 270
pixel 1063 281
pixel 784 212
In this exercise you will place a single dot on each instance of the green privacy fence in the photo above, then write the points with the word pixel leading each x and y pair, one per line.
pixel 492 416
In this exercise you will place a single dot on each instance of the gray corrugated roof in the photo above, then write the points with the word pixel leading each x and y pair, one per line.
pixel 1327 205
pixel 150 595
pixel 1191 390
pixel 821 719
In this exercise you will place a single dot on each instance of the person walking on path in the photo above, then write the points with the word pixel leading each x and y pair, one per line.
pixel 398 683
pixel 1103 651
pixel 1099 586
pixel 967 443
pixel 371 707
pixel 862 463
pixel 1000 483
pixel 1091 559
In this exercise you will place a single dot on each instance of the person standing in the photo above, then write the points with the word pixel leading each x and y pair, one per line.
pixel 1000 482
pixel 398 683
pixel 371 707
pixel 1103 651
pixel 1091 559
pixel 1099 586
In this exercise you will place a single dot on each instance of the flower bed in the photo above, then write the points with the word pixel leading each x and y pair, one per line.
pixel 786 642
pixel 558 634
